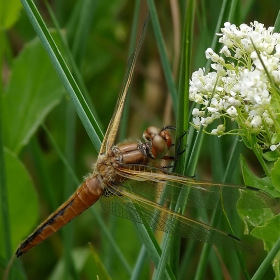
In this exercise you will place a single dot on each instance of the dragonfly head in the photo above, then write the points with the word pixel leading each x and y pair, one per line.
pixel 160 141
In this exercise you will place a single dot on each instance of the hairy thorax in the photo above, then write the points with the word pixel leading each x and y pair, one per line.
pixel 124 154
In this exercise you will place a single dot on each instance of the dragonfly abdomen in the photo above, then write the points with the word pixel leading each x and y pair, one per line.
pixel 86 195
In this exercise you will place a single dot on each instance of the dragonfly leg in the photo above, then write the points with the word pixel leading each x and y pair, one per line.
pixel 178 152
pixel 168 127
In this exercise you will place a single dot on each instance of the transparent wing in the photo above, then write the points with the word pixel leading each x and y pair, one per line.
pixel 113 127
pixel 154 183
pixel 127 205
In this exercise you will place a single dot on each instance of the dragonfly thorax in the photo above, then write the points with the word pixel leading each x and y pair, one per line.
pixel 105 168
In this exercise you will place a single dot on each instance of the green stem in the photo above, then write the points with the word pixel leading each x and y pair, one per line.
pixel 267 261
pixel 256 150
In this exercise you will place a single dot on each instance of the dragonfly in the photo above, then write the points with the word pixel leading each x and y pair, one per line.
pixel 130 183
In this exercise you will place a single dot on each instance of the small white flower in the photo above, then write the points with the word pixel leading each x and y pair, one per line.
pixel 238 53
pixel 210 54
pixel 214 131
pixel 206 121
pixel 277 50
pixel 225 51
pixel 196 112
pixel 212 110
pixel 196 122
pixel 232 112
pixel 240 88
pixel 234 102
pixel 197 98
pixel 276 76
pixel 254 55
pixel 209 87
pixel 274 147
pixel 219 68
pixel 247 45
pixel 219 130
pixel 269 121
pixel 256 121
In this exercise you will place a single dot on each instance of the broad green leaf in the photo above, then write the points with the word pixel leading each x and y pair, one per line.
pixel 275 175
pixel 33 90
pixel 254 217
pixel 271 155
pixel 250 179
pixel 9 13
pixel 22 200
pixel 268 231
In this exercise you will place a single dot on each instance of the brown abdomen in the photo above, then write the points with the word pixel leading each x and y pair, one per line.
pixel 87 194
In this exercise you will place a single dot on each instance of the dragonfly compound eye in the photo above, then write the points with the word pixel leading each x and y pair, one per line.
pixel 150 133
pixel 159 147
pixel 166 136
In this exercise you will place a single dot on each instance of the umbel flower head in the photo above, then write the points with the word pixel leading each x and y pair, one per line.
pixel 244 85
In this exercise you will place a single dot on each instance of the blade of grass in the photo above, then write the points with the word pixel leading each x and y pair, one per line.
pixel 68 188
pixel 41 172
pixel 164 59
pixel 215 220
pixel 267 261
pixel 111 239
pixel 186 259
pixel 122 133
pixel 217 29
pixel 132 44
pixel 72 63
pixel 277 23
pixel 88 9
pixel 216 214
pixel 4 201
pixel 167 242
pixel 60 66
pixel 182 112
pixel 80 39
pixel 152 247
pixel 138 268
pixel 182 125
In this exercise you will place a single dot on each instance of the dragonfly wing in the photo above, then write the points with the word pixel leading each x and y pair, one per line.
pixel 138 209
pixel 113 127
pixel 160 183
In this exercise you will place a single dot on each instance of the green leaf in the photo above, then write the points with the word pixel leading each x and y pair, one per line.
pixel 250 179
pixel 275 175
pixel 271 155
pixel 21 192
pixel 254 217
pixel 9 13
pixel 276 266
pixel 275 137
pixel 33 90
pixel 269 231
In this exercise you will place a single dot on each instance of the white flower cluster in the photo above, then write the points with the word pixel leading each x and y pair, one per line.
pixel 240 89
